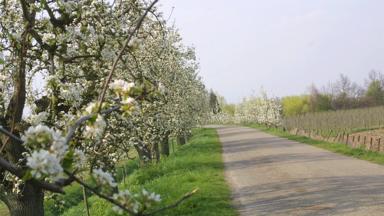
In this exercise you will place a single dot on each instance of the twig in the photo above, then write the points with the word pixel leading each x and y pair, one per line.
pixel 186 196
pixel 98 193
pixel 130 35
pixel 80 121
pixel 9 134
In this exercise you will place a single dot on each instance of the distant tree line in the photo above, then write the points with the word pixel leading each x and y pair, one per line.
pixel 338 95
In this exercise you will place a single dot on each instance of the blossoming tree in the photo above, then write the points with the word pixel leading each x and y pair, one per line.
pixel 254 109
pixel 112 77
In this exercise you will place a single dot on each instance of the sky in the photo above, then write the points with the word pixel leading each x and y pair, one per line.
pixel 282 46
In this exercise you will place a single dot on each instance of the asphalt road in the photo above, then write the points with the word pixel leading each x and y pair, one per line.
pixel 274 176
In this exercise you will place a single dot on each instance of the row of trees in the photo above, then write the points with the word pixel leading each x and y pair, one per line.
pixel 82 84
pixel 342 94
pixel 254 109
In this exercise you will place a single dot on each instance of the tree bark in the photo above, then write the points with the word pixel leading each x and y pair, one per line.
pixel 165 145
pixel 156 150
pixel 144 154
pixel 29 203
pixel 181 139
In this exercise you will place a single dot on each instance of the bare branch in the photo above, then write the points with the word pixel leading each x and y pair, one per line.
pixel 79 122
pixel 99 194
pixel 186 196
pixel 9 134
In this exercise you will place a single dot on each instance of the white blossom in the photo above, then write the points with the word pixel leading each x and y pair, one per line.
pixel 48 38
pixel 121 87
pixel 103 177
pixel 129 101
pixel 79 158
pixel 127 199
pixel 96 129
pixel 91 108
pixel 37 119
pixel 42 163
pixel 17 182
pixel 45 137
pixel 73 94
pixel 149 197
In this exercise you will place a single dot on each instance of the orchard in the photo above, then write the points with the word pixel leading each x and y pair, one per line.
pixel 82 84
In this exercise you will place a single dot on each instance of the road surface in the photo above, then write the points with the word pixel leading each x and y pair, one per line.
pixel 274 176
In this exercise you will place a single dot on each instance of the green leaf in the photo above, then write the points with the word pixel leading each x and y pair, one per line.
pixel 27 176
pixel 68 160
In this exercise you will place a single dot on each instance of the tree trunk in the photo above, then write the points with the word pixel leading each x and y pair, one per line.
pixel 144 154
pixel 29 203
pixel 156 150
pixel 181 140
pixel 165 145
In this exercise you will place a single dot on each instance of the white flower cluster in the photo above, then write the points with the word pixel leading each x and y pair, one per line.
pixel 103 178
pixel 45 162
pixel 142 200
pixel 149 198
pixel 129 101
pixel 79 158
pixel 48 38
pixel 96 129
pixel 16 182
pixel 45 137
pixel 73 94
pixel 91 108
pixel 127 200
pixel 38 118
pixel 121 87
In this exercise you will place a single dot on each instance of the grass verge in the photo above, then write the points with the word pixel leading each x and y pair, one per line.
pixel 197 164
pixel 340 148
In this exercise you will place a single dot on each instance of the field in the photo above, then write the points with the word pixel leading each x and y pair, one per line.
pixel 342 121
pixel 358 128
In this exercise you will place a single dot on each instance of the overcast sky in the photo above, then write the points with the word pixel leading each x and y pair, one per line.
pixel 280 45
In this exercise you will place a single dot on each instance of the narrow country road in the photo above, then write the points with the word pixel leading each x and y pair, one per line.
pixel 274 176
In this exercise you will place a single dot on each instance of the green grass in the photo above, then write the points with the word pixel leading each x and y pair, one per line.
pixel 197 164
pixel 74 193
pixel 3 209
pixel 340 148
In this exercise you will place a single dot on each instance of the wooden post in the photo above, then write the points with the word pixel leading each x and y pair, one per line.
pixel 365 140
pixel 353 141
pixel 347 139
pixel 378 144
pixel 370 145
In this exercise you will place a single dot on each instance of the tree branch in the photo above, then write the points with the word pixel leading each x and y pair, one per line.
pixel 130 35
pixel 99 194
pixel 186 196
pixel 17 171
